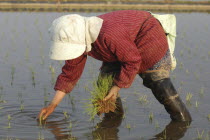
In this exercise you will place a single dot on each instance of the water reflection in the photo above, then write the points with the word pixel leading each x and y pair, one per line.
pixel 58 129
pixel 173 131
pixel 108 129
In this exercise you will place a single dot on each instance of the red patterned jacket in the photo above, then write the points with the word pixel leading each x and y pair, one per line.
pixel 133 38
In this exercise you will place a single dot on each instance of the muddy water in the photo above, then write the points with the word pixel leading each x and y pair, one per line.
pixel 26 85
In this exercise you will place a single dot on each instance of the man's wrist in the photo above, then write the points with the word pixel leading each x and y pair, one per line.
pixel 116 87
pixel 53 105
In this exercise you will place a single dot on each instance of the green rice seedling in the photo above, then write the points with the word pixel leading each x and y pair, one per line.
pixel 3 101
pixel 52 71
pixel 187 124
pixel 201 91
pixel 196 104
pixel 40 136
pixel 72 138
pixel 42 122
pixel 143 99
pixel 22 107
pixel 181 65
pixel 71 100
pixel 12 74
pixel 209 117
pixel 97 136
pixel 9 118
pixel 20 98
pixel 96 105
pixel 187 72
pixel 207 136
pixel 70 125
pixel 124 116
pixel 87 88
pixel 32 76
pixel 182 83
pixel 46 101
pixel 66 115
pixel 164 137
pixel 128 126
pixel 200 134
pixel 157 125
pixel 189 97
pixel 151 116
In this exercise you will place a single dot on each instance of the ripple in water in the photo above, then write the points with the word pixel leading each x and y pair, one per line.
pixel 24 124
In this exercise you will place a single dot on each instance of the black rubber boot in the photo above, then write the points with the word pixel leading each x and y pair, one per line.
pixel 166 94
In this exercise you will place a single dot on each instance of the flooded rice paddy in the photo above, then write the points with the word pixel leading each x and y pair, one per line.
pixel 27 77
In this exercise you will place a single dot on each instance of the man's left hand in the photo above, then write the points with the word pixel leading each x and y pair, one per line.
pixel 113 93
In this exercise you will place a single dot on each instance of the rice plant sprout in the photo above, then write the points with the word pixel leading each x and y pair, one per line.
pixel 143 99
pixel 52 70
pixel 9 118
pixel 196 104
pixel 45 96
pixel 201 91
pixel 128 126
pixel 157 125
pixel 12 73
pixel 32 76
pixel 200 135
pixel 1 98
pixel 187 72
pixel 66 115
pixel 189 97
pixel 209 117
pixel 96 105
pixel 40 136
pixel 20 98
pixel 70 130
pixel 164 137
pixel 71 100
pixel 1 89
pixel 151 116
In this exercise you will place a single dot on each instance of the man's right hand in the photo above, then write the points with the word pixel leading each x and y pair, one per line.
pixel 46 111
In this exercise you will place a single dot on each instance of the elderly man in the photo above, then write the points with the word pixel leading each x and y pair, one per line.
pixel 128 42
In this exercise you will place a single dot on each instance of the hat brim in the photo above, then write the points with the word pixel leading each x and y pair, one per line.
pixel 66 51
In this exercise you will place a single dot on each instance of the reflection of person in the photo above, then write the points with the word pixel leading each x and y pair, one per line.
pixel 57 128
pixel 128 42
pixel 107 128
pixel 173 131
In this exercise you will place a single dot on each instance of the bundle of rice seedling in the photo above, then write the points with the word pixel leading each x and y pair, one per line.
pixel 96 104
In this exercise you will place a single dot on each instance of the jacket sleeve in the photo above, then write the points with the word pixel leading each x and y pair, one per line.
pixel 128 55
pixel 71 72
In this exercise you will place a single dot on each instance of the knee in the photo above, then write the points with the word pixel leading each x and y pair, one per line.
pixel 151 77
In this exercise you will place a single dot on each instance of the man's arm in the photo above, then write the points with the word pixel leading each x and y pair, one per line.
pixel 71 72
pixel 46 111
pixel 128 55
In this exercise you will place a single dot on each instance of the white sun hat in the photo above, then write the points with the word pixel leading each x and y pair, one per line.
pixel 72 35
